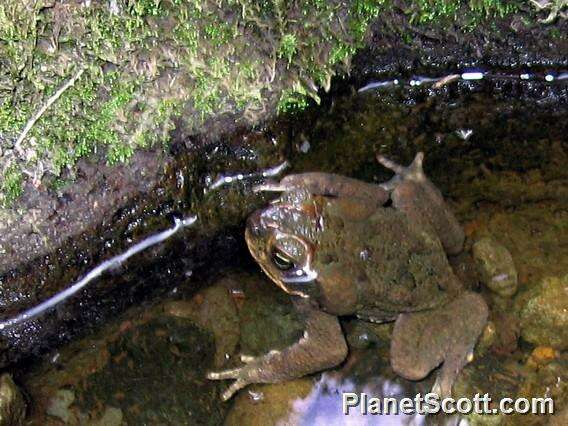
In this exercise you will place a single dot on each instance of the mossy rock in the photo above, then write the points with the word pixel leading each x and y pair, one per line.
pixel 12 403
pixel 273 405
pixel 496 267
pixel 544 315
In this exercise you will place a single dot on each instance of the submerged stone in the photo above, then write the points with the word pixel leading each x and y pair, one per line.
pixel 12 404
pixel 59 405
pixel 544 316
pixel 496 267
pixel 268 404
pixel 155 375
pixel 214 310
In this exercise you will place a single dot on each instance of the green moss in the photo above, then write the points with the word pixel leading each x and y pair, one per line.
pixel 341 52
pixel 142 8
pixel 472 11
pixel 555 33
pixel 292 101
pixel 11 186
pixel 147 61
pixel 119 111
pixel 362 13
pixel 288 47
pixel 219 33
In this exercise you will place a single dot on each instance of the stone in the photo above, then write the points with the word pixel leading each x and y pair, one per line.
pixel 544 315
pixel 542 355
pixel 214 310
pixel 60 403
pixel 496 267
pixel 268 404
pixel 12 404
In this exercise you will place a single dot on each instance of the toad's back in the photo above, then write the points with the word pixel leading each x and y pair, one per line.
pixel 394 264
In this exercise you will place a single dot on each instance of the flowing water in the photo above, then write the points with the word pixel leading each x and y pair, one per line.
pixel 497 149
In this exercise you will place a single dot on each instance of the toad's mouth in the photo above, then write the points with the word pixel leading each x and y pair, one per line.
pixel 299 278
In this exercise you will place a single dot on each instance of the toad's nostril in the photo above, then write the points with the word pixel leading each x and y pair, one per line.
pixel 254 229
pixel 254 225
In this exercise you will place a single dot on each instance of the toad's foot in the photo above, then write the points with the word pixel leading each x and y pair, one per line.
pixel 413 172
pixel 251 372
pixel 423 340
pixel 322 346
pixel 413 194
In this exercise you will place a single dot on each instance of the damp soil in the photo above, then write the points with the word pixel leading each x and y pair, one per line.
pixel 498 151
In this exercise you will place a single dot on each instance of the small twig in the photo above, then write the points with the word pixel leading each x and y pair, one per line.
pixel 44 108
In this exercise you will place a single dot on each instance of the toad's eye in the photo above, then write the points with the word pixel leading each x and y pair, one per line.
pixel 281 260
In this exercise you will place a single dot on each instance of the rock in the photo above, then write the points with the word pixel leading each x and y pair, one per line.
pixel 268 404
pixel 559 419
pixel 496 267
pixel 60 403
pixel 486 340
pixel 146 368
pixel 214 310
pixel 112 416
pixel 542 355
pixel 465 269
pixel 156 375
pixel 544 315
pixel 508 332
pixel 12 404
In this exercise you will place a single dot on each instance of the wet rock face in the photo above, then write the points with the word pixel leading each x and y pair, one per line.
pixel 180 192
pixel 512 42
pixel 544 316
pixel 12 404
pixel 496 267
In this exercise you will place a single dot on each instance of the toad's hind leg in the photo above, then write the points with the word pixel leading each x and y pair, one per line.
pixel 423 340
pixel 419 199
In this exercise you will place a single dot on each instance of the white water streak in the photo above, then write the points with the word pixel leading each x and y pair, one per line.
pixel 223 180
pixel 466 76
pixel 113 262
pixel 117 260
pixel 376 84
pixel 475 75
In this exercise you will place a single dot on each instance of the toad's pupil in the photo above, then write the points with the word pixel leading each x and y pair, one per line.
pixel 281 261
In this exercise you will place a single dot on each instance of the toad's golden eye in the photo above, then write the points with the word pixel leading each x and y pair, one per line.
pixel 281 260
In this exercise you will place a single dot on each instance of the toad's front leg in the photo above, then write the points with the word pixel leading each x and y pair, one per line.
pixel 322 346
pixel 329 184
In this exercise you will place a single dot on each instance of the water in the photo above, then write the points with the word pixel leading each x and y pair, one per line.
pixel 498 150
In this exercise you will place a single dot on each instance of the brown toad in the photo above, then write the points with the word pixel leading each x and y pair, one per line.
pixel 340 246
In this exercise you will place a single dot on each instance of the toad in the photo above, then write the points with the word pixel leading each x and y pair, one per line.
pixel 343 247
